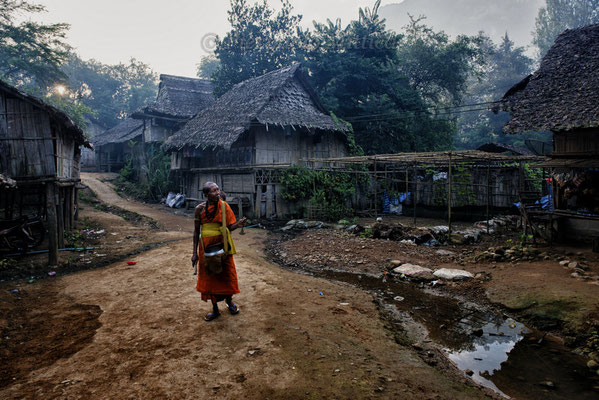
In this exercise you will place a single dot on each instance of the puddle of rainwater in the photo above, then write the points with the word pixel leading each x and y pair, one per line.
pixel 508 357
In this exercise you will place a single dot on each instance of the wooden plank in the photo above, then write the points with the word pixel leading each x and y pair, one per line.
pixel 52 224
pixel 60 216
pixel 269 201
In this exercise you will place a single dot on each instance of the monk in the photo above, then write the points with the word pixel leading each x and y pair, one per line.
pixel 208 217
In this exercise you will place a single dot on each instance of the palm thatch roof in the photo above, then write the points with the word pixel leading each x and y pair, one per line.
pixel 563 94
pixel 126 130
pixel 178 97
pixel 55 114
pixel 282 97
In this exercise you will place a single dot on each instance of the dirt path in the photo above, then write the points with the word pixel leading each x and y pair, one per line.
pixel 296 336
pixel 106 194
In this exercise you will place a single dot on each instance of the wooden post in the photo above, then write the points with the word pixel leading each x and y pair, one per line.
pixel 376 202
pixel 269 198
pixel 414 192
pixel 488 192
pixel 52 224
pixel 59 216
pixel 76 202
pixel 449 194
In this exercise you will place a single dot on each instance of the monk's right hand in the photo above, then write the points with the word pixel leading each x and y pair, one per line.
pixel 194 263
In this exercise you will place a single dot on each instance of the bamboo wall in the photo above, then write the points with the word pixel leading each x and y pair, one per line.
pixel 26 140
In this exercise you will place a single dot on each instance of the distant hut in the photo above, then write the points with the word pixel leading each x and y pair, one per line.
pixel 258 127
pixel 40 150
pixel 563 96
pixel 179 98
pixel 88 156
pixel 117 145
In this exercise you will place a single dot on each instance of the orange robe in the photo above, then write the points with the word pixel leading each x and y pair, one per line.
pixel 224 283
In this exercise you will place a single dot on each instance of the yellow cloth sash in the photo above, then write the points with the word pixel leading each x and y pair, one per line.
pixel 215 229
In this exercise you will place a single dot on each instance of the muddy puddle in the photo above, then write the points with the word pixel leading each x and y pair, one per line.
pixel 494 350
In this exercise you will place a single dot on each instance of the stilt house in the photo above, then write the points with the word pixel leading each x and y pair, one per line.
pixel 563 96
pixel 179 98
pixel 117 145
pixel 254 130
pixel 40 150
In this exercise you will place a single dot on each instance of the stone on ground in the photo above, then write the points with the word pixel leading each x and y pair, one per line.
pixel 452 274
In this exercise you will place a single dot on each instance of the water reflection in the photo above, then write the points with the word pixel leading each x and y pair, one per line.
pixel 489 351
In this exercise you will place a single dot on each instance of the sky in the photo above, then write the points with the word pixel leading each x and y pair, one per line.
pixel 170 36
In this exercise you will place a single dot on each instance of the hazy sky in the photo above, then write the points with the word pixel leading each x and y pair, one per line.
pixel 167 35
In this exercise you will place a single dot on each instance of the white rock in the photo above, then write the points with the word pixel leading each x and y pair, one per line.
pixel 411 269
pixel 445 253
pixel 452 274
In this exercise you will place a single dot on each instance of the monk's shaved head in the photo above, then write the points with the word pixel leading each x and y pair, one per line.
pixel 207 186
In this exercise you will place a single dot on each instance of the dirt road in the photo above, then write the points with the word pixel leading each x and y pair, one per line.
pixel 137 331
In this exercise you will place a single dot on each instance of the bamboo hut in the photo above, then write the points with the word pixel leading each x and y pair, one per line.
pixel 117 145
pixel 40 150
pixel 179 98
pixel 249 134
pixel 563 96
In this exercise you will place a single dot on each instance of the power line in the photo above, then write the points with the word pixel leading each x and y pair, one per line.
pixel 445 111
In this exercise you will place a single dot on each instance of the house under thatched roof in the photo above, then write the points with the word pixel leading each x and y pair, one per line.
pixel 58 116
pixel 127 129
pixel 179 98
pixel 278 98
pixel 563 94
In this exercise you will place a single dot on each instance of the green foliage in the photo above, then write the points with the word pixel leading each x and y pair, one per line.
pixel 559 15
pixel 207 66
pixel 128 172
pixel 74 238
pixel 437 67
pixel 505 65
pixel 112 91
pixel 75 110
pixel 259 41
pixel 326 190
pixel 158 172
pixel 31 53
pixel 7 263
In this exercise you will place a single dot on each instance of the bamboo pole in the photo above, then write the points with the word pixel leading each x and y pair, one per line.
pixel 449 194
pixel 52 224
pixel 414 193
pixel 376 202
pixel 488 192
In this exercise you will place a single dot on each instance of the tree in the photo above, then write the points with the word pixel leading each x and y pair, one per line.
pixel 506 65
pixel 437 67
pixel 31 53
pixel 559 15
pixel 207 66
pixel 112 91
pixel 259 41
pixel 369 76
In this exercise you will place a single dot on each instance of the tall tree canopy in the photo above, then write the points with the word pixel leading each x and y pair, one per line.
pixel 112 91
pixel 259 41
pixel 30 53
pixel 559 15
pixel 506 65
pixel 363 72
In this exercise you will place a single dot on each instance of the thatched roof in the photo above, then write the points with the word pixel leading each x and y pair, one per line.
pixel 127 129
pixel 504 147
pixel 179 98
pixel 282 97
pixel 563 94
pixel 55 114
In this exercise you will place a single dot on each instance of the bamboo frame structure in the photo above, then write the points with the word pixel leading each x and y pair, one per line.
pixel 383 164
